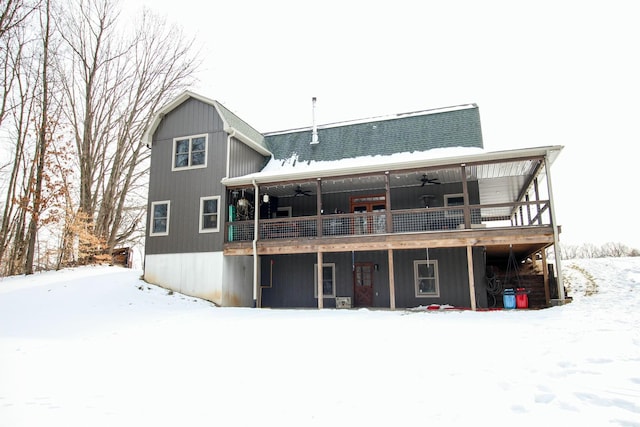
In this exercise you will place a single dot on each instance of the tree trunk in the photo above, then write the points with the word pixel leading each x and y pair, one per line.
pixel 41 146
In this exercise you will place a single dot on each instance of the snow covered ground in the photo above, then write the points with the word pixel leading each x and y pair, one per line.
pixel 99 347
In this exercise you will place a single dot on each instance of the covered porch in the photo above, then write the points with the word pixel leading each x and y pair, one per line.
pixel 500 202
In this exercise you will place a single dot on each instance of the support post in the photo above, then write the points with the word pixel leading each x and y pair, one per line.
pixel 472 284
pixel 319 207
pixel 256 235
pixel 465 196
pixel 537 193
pixel 545 274
pixel 554 224
pixel 387 198
pixel 392 285
pixel 320 280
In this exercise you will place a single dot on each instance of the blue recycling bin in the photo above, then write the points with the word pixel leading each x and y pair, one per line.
pixel 509 298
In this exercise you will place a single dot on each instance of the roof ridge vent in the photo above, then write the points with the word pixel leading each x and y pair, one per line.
pixel 314 135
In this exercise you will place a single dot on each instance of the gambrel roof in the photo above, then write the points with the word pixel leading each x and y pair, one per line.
pixel 232 123
pixel 457 126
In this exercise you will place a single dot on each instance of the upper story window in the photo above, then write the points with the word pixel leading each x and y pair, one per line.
pixel 160 218
pixel 189 152
pixel 209 214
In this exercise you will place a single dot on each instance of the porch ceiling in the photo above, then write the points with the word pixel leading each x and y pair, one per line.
pixel 498 182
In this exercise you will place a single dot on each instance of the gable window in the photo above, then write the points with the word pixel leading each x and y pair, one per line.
pixel 160 218
pixel 328 280
pixel 209 214
pixel 189 152
pixel 426 280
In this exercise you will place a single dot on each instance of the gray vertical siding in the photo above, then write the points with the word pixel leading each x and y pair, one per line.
pixel 293 278
pixel 184 188
pixel 243 159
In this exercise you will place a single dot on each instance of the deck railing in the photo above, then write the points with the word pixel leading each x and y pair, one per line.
pixel 519 214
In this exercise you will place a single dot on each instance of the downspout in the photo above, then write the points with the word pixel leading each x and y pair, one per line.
pixel 256 216
pixel 554 224
pixel 229 136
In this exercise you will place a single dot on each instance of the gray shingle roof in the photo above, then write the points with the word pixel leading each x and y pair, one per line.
pixel 420 131
pixel 239 125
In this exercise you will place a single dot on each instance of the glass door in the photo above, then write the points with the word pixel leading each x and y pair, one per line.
pixel 369 212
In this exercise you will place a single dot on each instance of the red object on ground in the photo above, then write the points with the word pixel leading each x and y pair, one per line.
pixel 522 298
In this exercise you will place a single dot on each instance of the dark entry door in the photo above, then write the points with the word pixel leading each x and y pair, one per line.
pixel 363 284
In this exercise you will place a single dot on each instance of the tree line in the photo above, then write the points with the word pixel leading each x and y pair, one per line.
pixel 589 250
pixel 80 85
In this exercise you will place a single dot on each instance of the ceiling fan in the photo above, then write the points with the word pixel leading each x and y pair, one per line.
pixel 427 180
pixel 301 192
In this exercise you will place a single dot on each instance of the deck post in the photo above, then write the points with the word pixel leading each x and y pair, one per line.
pixel 387 198
pixel 256 235
pixel 320 280
pixel 554 224
pixel 545 274
pixel 465 196
pixel 392 285
pixel 537 193
pixel 472 285
pixel 319 207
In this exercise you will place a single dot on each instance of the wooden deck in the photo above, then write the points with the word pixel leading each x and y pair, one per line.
pixel 523 240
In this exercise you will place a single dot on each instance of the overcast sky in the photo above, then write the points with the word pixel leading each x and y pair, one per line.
pixel 542 73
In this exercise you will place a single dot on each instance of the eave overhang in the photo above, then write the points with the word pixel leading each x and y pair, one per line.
pixel 548 152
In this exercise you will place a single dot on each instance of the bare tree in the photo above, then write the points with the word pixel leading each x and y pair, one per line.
pixel 19 89
pixel 113 89
pixel 589 250
pixel 13 17
pixel 161 64
pixel 89 99
pixel 44 134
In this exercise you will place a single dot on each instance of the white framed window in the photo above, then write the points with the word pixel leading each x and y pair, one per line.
pixel 426 279
pixel 453 200
pixel 209 214
pixel 160 212
pixel 328 280
pixel 189 152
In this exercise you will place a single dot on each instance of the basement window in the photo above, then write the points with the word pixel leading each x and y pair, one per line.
pixel 160 218
pixel 328 280
pixel 426 278
pixel 209 214
pixel 189 152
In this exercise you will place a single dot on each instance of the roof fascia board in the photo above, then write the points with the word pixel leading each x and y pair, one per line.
pixel 246 140
pixel 550 151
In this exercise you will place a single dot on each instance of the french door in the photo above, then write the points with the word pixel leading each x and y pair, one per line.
pixel 372 220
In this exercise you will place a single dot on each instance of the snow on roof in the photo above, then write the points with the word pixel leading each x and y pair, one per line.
pixel 291 168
